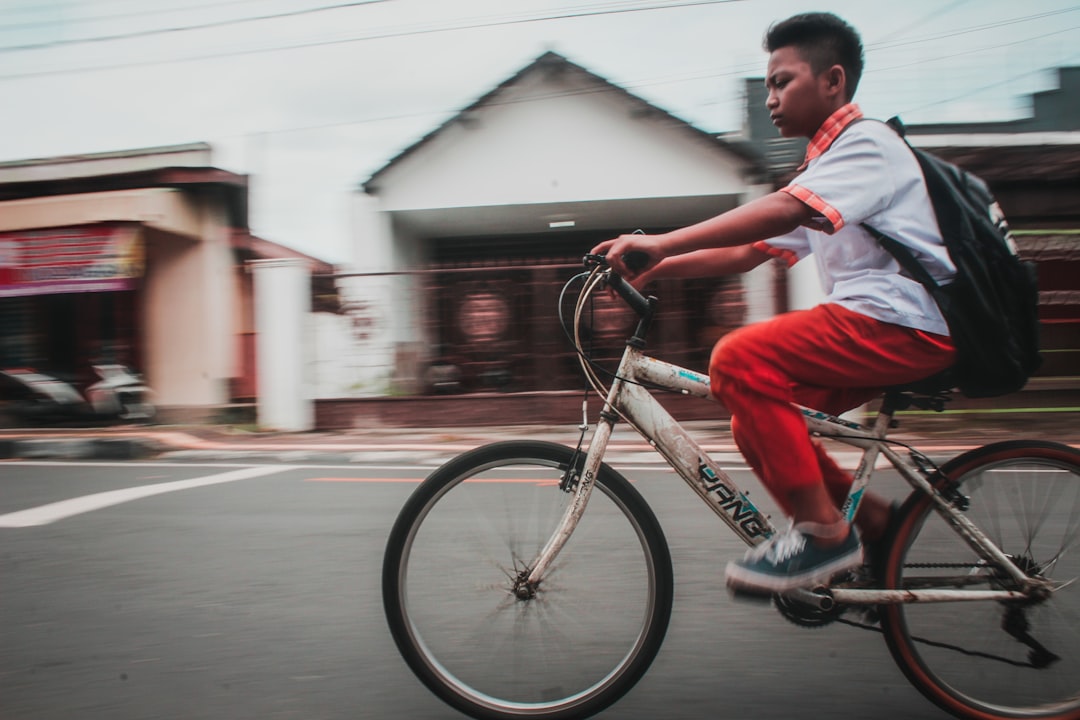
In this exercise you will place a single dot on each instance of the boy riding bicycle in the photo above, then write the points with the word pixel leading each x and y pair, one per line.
pixel 876 328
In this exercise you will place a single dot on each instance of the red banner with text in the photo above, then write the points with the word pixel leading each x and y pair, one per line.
pixel 86 258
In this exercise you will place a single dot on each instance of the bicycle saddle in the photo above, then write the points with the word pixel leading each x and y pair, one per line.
pixel 930 393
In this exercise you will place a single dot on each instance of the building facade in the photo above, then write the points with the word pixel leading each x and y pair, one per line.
pixel 468 235
pixel 136 258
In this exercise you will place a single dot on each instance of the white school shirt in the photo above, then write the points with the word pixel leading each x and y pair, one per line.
pixel 869 175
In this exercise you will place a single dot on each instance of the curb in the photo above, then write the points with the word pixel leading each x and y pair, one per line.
pixel 79 449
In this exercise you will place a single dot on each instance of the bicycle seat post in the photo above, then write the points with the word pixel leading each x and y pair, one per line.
pixel 893 401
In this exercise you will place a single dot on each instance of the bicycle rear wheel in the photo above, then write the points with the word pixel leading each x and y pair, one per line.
pixel 570 649
pixel 992 659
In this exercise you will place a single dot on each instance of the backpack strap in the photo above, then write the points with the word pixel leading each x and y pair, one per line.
pixel 897 249
pixel 906 259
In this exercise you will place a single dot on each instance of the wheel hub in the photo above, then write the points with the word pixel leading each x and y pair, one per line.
pixel 522 588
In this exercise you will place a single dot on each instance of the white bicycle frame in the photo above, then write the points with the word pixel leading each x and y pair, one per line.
pixel 629 399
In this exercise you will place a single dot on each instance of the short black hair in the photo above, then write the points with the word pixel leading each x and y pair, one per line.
pixel 824 40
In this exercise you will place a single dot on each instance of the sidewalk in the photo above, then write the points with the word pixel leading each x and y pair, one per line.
pixel 940 435
pixel 212 443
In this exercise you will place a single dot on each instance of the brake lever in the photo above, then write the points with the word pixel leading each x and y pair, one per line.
pixel 591 260
pixel 634 260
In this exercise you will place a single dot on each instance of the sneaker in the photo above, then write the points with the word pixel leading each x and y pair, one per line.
pixel 791 560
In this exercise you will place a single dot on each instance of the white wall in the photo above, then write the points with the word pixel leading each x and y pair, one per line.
pixel 355 352
pixel 558 139
pixel 550 140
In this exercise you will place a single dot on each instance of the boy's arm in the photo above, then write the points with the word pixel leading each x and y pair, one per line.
pixel 712 262
pixel 775 214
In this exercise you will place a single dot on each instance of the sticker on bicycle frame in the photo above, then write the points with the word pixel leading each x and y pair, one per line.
pixel 818 415
pixel 587 480
pixel 852 503
pixel 737 505
pixel 693 376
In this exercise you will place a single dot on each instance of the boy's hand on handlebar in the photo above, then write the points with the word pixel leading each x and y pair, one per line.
pixel 630 255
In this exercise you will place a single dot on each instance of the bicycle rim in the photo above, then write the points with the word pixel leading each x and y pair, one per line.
pixel 595 622
pixel 971 658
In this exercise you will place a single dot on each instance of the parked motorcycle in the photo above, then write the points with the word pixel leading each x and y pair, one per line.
pixel 119 394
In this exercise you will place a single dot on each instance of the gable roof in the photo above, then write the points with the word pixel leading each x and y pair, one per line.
pixel 554 61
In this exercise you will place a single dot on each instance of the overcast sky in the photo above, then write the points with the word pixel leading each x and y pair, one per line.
pixel 312 96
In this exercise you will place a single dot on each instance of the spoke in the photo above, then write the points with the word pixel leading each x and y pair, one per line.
pixel 1072 530
pixel 1062 586
pixel 990 510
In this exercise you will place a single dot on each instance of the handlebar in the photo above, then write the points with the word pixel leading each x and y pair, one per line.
pixel 645 307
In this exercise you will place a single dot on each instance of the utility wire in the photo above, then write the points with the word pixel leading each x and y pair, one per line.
pixel 923 20
pixel 379 35
pixel 984 88
pixel 979 50
pixel 185 28
pixel 976 28
pixel 158 10
pixel 635 84
pixel 581 11
pixel 600 9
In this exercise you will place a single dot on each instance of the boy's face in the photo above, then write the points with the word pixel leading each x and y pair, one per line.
pixel 799 101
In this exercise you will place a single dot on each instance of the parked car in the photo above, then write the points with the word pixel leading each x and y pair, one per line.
pixel 118 394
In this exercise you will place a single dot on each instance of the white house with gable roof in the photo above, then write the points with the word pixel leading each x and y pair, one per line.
pixel 533 173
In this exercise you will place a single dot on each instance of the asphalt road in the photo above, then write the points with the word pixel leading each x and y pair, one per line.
pixel 225 592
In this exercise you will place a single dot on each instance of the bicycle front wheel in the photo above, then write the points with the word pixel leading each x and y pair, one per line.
pixel 990 659
pixel 568 649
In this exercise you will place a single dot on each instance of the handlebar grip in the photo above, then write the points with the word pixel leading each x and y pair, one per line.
pixel 635 260
pixel 638 302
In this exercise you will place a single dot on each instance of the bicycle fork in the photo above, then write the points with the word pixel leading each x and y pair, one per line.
pixel 666 436
pixel 529 580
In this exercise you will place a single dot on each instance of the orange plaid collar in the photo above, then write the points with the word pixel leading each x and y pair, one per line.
pixel 830 130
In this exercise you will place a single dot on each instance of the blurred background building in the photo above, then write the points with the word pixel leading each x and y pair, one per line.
pixel 134 258
pixel 463 240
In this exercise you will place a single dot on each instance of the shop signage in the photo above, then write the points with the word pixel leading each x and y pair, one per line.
pixel 86 258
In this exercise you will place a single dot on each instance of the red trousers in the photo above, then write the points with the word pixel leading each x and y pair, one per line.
pixel 827 358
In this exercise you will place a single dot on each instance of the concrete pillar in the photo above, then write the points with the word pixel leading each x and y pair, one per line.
pixel 282 306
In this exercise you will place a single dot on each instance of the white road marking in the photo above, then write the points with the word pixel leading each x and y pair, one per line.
pixel 45 514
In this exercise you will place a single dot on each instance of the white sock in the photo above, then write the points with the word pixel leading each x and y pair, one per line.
pixel 832 531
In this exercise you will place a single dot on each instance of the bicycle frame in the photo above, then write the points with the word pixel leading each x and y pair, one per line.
pixel 628 398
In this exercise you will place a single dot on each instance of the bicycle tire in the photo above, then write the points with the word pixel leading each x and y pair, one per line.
pixel 1025 495
pixel 560 654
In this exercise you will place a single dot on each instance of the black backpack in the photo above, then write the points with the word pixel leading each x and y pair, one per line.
pixel 992 305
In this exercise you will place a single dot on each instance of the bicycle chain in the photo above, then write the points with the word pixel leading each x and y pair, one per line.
pixel 969 566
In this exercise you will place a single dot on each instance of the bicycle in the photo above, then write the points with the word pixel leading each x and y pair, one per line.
pixel 508 600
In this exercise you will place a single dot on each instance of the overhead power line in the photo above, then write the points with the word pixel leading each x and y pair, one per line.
pixel 973 51
pixel 984 88
pixel 388 33
pixel 185 28
pixel 155 10
pixel 632 85
pixel 976 28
